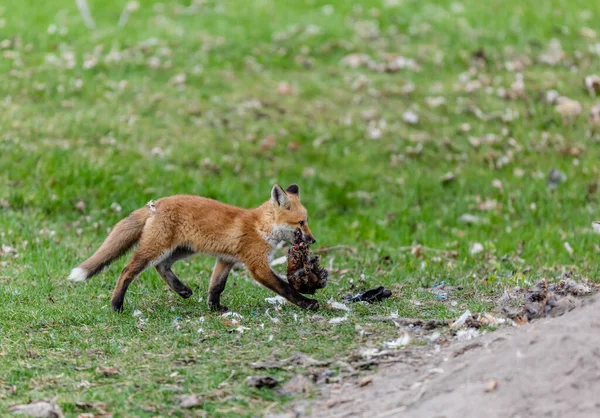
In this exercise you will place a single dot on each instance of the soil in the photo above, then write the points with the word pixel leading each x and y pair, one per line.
pixel 546 368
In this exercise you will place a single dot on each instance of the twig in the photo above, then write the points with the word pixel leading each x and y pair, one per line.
pixel 129 8
pixel 392 412
pixel 86 15
pixel 422 248
pixel 324 250
pixel 417 249
pixel 389 358
pixel 224 382
pixel 415 322
pixel 402 408
pixel 480 115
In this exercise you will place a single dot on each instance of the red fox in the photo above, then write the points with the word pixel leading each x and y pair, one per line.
pixel 176 227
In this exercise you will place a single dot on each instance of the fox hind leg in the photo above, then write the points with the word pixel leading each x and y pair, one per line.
pixel 150 252
pixel 218 280
pixel 164 270
pixel 139 262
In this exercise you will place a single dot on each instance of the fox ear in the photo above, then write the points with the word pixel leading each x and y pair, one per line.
pixel 293 189
pixel 278 196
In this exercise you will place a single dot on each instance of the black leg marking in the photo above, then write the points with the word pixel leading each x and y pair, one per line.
pixel 165 272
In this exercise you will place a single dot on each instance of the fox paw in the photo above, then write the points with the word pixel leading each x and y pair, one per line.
pixel 217 307
pixel 185 293
pixel 311 304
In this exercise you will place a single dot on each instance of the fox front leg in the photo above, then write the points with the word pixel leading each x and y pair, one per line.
pixel 262 273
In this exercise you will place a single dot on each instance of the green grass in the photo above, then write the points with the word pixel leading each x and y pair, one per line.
pixel 121 131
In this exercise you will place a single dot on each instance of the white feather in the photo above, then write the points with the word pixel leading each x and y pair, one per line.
pixel 279 261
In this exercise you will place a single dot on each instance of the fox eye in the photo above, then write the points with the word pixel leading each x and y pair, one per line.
pixel 301 223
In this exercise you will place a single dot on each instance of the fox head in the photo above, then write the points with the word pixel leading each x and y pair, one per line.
pixel 289 214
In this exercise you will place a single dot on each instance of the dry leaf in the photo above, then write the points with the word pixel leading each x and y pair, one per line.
pixel 294 146
pixel 297 385
pixel 298 359
pixel 369 114
pixel 592 84
pixel 448 178
pixel 355 60
pixel 268 143
pixel 365 381
pixel 594 116
pixel 98 407
pixel 80 206
pixel 488 205
pixel 568 109
pixel 408 88
pixel 491 386
pixel 553 54
pixel 416 251
pixel 179 79
pixel 588 33
pixel 38 409
pixel 107 371
pixel 284 88
pixel 190 400
pixel 434 102
pixel 261 381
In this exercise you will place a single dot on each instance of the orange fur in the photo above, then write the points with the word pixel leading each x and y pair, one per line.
pixel 178 226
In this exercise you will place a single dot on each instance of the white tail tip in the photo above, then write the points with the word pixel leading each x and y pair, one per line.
pixel 78 275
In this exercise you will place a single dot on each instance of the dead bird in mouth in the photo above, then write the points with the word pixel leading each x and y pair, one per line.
pixel 303 270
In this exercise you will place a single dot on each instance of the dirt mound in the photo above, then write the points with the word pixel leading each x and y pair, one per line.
pixel 549 368
pixel 543 299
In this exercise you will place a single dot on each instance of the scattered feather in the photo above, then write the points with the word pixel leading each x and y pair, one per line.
pixel 568 248
pixel 592 84
pixel 337 305
pixel 476 248
pixel 233 315
pixel 594 116
pixel 279 261
pixel 86 15
pixel 469 219
pixel 467 334
pixel 129 8
pixel 276 300
pixel 402 341
pixel 461 320
pixel 410 117
pixel 337 320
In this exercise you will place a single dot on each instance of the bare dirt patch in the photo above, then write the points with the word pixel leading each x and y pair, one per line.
pixel 550 367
